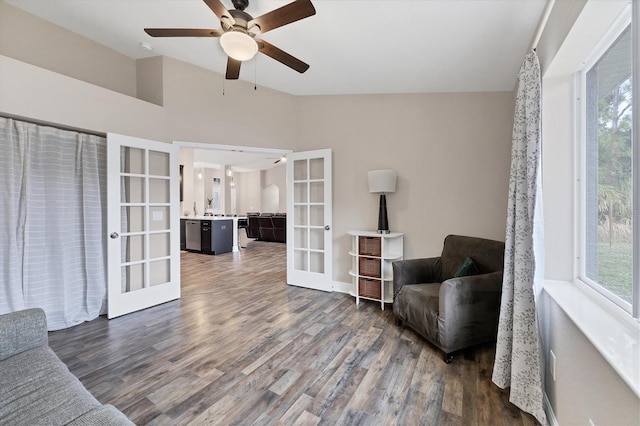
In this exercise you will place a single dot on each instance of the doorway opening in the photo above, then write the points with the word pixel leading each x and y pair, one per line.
pixel 232 182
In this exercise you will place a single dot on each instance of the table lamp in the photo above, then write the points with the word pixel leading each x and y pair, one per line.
pixel 382 182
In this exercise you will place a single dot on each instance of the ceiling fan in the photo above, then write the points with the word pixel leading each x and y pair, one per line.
pixel 239 31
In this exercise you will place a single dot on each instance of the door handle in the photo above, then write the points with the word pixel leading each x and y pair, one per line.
pixel 327 227
pixel 114 235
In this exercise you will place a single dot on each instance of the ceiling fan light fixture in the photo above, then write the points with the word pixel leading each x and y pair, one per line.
pixel 238 45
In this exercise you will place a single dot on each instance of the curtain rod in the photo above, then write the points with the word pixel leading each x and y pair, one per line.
pixel 542 23
pixel 55 125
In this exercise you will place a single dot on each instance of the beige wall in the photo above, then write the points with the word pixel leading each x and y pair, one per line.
pixel 35 41
pixel 197 111
pixel 451 152
pixel 150 79
pixel 248 192
pixel 81 84
pixel 586 386
pixel 39 94
pixel 277 176
pixel 249 186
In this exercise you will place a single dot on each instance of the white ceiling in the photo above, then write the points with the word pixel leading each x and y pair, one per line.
pixel 240 161
pixel 352 46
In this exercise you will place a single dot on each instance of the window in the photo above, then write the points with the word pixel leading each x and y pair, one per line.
pixel 608 183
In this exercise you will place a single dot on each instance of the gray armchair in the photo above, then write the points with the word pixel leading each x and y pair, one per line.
pixel 452 311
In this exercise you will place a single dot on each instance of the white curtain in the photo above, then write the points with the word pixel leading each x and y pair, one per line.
pixel 518 363
pixel 52 246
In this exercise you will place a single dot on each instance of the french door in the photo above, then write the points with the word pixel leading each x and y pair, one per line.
pixel 309 210
pixel 143 224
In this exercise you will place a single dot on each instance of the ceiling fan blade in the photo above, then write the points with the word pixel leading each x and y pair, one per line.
pixel 233 69
pixel 182 32
pixel 282 56
pixel 284 15
pixel 218 8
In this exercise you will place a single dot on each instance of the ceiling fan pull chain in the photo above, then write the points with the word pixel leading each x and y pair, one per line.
pixel 255 73
pixel 223 79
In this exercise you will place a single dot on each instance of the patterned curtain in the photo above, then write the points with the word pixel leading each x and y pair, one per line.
pixel 518 363
pixel 52 209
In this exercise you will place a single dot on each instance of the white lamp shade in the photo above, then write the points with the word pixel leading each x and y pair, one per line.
pixel 238 45
pixel 382 181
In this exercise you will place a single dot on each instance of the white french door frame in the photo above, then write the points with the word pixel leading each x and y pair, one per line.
pixel 157 266
pixel 309 219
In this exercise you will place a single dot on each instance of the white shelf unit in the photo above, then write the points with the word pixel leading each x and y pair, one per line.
pixel 371 270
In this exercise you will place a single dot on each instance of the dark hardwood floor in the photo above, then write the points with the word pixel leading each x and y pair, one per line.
pixel 242 347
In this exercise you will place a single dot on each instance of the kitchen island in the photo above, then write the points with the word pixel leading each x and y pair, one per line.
pixel 210 234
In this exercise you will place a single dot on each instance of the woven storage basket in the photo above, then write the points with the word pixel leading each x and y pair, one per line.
pixel 369 288
pixel 369 266
pixel 370 246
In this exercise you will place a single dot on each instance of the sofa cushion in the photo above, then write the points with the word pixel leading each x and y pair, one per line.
pixel 36 388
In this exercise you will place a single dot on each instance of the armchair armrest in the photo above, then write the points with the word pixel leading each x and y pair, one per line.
pixel 469 308
pixel 415 271
pixel 21 331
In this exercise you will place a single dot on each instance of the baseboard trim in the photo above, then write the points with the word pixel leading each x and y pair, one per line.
pixel 342 287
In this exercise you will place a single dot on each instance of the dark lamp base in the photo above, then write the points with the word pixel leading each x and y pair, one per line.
pixel 383 222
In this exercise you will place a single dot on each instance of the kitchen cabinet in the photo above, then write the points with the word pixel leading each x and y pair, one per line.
pixel 209 235
pixel 216 236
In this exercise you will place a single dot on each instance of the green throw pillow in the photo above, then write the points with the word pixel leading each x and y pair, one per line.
pixel 466 268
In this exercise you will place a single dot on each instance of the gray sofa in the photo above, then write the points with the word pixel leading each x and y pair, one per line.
pixel 36 388
pixel 448 301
